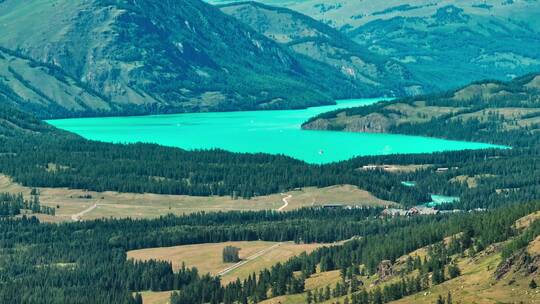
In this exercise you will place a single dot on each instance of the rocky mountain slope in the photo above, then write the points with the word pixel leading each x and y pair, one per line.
pixel 489 110
pixel 97 57
pixel 445 43
pixel 322 43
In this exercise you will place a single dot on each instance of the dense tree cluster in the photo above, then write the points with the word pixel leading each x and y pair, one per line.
pixel 501 176
pixel 231 254
pixel 14 204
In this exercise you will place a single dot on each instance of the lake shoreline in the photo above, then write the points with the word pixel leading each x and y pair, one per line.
pixel 272 132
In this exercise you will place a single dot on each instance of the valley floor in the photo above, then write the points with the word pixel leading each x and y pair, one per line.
pixel 76 204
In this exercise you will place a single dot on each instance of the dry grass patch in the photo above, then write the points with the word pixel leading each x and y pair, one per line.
pixel 527 220
pixel 405 168
pixel 534 247
pixel 156 297
pixel 475 91
pixel 420 112
pixel 318 280
pixel 287 299
pixel 396 168
pixel 208 257
pixel 281 253
pixel 322 279
pixel 147 205
pixel 421 253
pixel 534 84
pixel 470 181
pixel 344 194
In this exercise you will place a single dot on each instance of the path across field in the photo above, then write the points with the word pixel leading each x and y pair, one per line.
pixel 251 257
pixel 77 217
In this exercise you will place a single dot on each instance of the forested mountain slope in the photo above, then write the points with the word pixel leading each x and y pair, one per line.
pixel 97 57
pixel 492 111
pixel 492 270
pixel 445 43
pixel 323 43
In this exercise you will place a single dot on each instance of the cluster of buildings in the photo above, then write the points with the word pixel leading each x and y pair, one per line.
pixel 394 212
pixel 422 210
pixel 416 210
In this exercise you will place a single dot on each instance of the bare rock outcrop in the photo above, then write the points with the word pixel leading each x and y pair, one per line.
pixel 385 270
pixel 372 123
pixel 519 262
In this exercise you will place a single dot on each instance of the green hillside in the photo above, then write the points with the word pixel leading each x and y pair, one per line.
pixel 14 123
pixel 146 57
pixel 78 262
pixel 491 111
pixel 320 42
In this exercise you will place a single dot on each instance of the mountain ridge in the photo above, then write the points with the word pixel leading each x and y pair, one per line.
pixel 142 59
pixel 309 37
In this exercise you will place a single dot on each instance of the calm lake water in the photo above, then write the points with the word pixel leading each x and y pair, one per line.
pixel 275 132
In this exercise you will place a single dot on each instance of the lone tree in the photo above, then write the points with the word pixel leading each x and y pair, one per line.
pixel 230 254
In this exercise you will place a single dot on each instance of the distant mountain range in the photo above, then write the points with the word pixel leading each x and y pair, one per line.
pixel 104 57
pixel 445 43
pixel 128 57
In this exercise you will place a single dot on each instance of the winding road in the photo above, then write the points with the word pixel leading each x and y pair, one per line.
pixel 285 202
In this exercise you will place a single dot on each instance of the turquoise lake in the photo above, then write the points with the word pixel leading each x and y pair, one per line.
pixel 275 132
